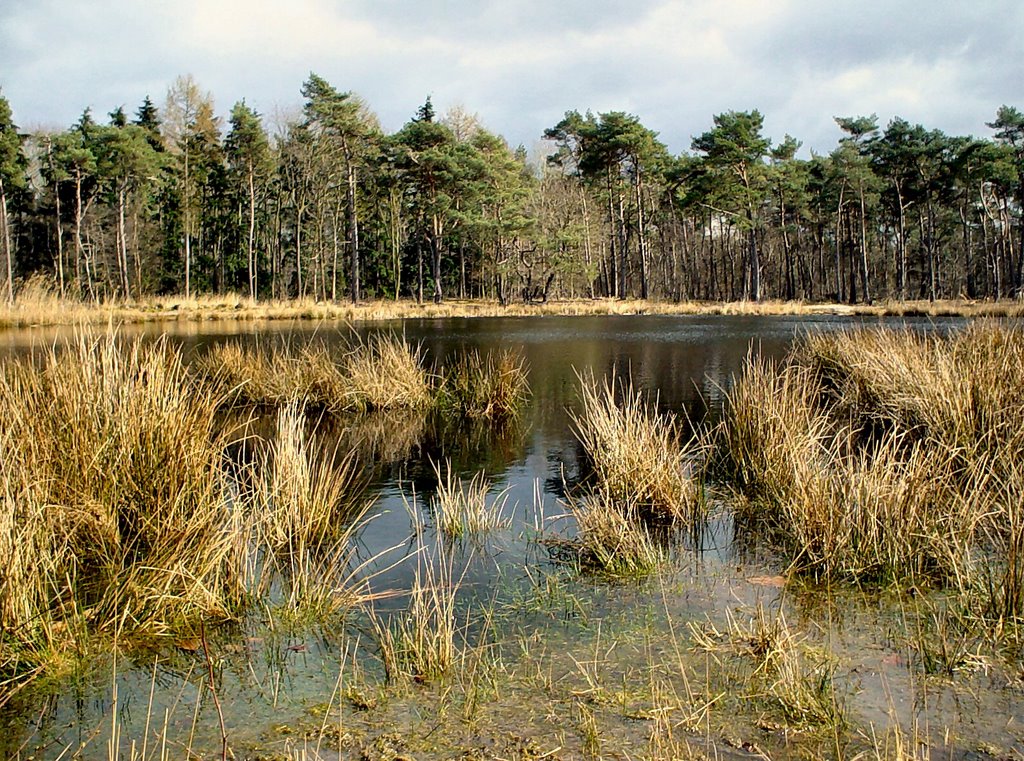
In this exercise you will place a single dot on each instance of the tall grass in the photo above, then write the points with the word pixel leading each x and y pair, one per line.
pixel 381 373
pixel 635 454
pixel 303 495
pixel 880 455
pixel 386 372
pixel 490 386
pixel 421 642
pixel 118 517
pixel 467 508
pixel 273 375
pixel 114 506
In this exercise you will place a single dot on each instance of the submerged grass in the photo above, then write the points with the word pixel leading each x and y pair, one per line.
pixel 789 674
pixel 118 518
pixel 884 456
pixel 614 539
pixel 635 454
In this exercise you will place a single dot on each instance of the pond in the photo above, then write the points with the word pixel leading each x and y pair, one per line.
pixel 554 663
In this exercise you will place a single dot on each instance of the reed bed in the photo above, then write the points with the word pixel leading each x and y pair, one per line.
pixel 636 455
pixel 39 303
pixel 386 372
pixel 303 495
pixel 118 518
pixel 880 455
pixel 274 375
pixel 114 500
pixel 467 508
pixel 491 387
pixel 382 373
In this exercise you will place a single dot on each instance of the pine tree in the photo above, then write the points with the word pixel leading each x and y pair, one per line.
pixel 12 178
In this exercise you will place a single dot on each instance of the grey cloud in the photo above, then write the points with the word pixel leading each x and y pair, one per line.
pixel 521 65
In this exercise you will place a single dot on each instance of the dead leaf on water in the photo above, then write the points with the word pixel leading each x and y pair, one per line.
pixel 767 581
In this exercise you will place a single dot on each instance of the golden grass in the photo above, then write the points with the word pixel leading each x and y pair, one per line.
pixel 386 372
pixel 118 518
pixel 467 508
pixel 382 373
pixel 38 304
pixel 112 477
pixel 490 387
pixel 303 495
pixel 275 375
pixel 635 454
pixel 421 643
pixel 886 456
pixel 614 538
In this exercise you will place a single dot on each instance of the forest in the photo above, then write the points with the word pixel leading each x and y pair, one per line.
pixel 173 200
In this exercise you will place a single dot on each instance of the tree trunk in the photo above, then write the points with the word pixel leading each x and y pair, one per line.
pixel 435 244
pixel 864 247
pixel 8 252
pixel 353 231
pixel 641 238
pixel 253 273
pixel 122 245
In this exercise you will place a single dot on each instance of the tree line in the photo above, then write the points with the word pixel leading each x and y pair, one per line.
pixel 172 200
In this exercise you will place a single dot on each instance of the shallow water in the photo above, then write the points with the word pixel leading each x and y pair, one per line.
pixel 565 646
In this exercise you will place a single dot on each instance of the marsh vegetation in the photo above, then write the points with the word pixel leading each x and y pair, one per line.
pixel 822 561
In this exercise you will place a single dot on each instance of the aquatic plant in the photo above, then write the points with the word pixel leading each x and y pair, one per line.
pixel 119 519
pixel 113 503
pixel 636 455
pixel 381 373
pixel 491 386
pixel 466 508
pixel 274 374
pixel 421 642
pixel 794 677
pixel 886 456
pixel 614 539
pixel 386 372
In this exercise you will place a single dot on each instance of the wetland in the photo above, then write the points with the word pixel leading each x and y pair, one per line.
pixel 824 563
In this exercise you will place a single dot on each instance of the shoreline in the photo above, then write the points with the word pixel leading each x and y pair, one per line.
pixel 40 311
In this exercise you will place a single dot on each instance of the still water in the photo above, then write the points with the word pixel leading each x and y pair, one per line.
pixel 276 677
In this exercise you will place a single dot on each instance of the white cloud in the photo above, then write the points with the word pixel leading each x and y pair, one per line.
pixel 522 64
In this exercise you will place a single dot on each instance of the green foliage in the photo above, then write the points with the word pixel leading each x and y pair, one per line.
pixel 330 205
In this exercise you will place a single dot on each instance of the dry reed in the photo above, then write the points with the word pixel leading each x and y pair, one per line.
pixel 887 456
pixel 421 642
pixel 119 520
pixel 467 508
pixel 635 454
pixel 490 387
pixel 614 540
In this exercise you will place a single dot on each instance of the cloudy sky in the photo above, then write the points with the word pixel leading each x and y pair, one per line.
pixel 520 64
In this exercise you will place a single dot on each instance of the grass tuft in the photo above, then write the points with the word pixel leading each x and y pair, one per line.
pixel 885 456
pixel 464 508
pixel 491 387
pixel 420 643
pixel 635 454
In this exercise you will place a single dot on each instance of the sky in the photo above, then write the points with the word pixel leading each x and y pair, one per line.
pixel 519 65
